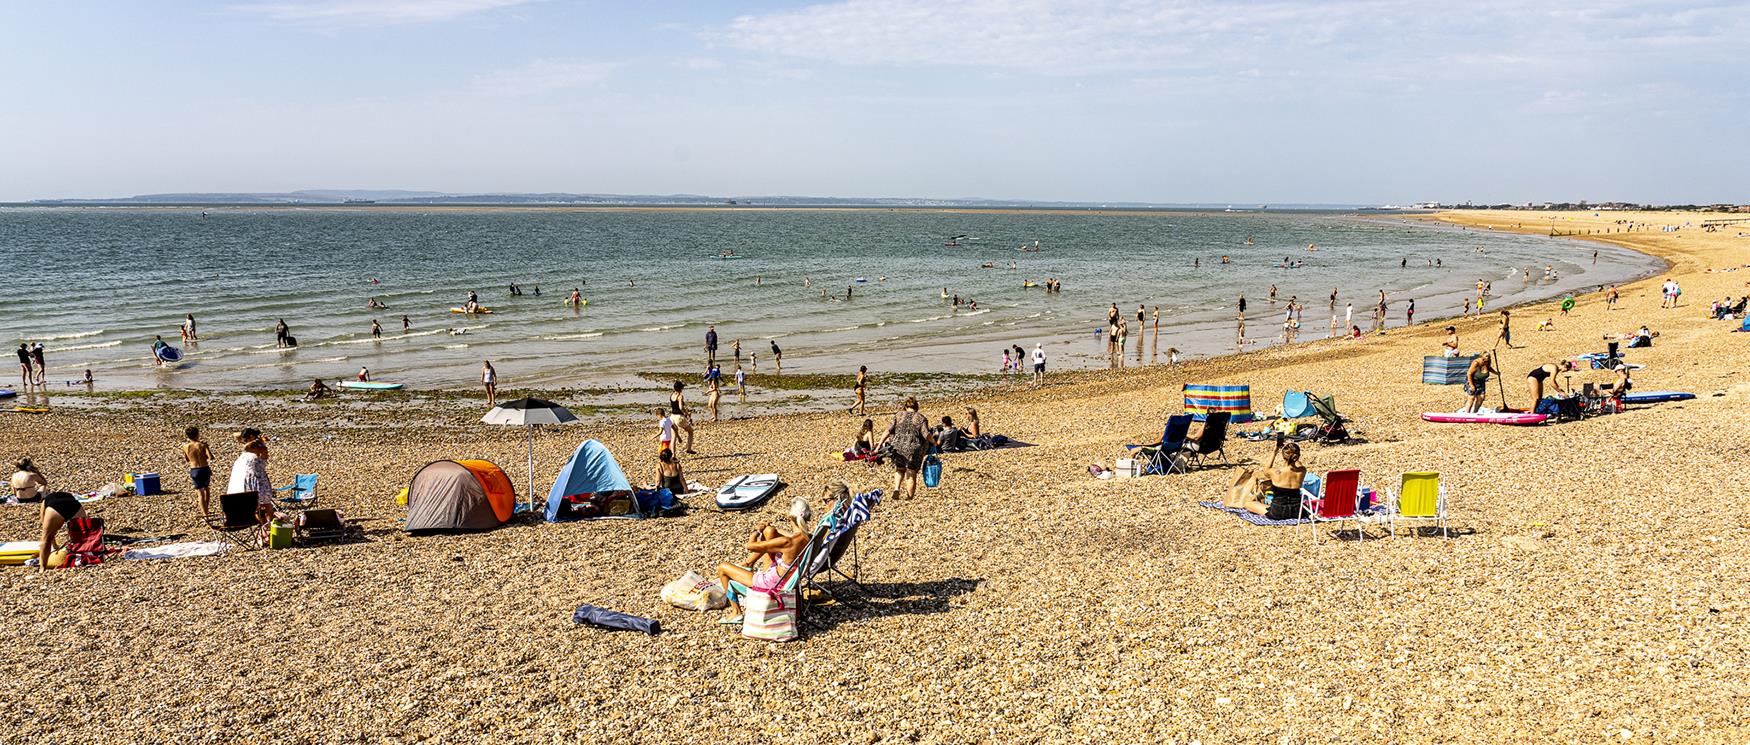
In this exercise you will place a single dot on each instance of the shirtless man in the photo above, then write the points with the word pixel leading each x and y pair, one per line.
pixel 200 471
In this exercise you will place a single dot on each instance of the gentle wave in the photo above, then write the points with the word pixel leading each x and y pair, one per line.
pixel 72 335
pixel 77 347
pixel 571 337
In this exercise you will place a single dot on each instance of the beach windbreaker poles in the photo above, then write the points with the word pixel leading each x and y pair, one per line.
pixel 531 413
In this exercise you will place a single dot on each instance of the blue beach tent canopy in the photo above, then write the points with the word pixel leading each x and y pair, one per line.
pixel 591 470
pixel 1295 404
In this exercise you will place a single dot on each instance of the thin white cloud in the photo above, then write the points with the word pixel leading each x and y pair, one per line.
pixel 373 12
pixel 699 63
pixel 1073 37
pixel 541 76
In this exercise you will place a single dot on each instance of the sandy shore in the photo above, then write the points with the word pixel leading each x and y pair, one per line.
pixel 1594 591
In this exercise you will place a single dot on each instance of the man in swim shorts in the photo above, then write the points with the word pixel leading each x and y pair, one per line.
pixel 200 471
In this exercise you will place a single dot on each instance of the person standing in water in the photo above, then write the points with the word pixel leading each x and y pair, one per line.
pixel 489 379
pixel 860 388
pixel 282 334
pixel 188 329
pixel 406 325
pixel 1157 339
pixel 200 467
pixel 42 369
pixel 1242 306
pixel 24 365
pixel 735 347
pixel 376 329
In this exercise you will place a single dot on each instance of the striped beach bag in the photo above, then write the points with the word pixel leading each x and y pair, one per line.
pixel 1440 370
pixel 1201 400
pixel 769 609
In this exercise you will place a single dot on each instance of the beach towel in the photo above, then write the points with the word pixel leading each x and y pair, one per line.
pixel 1249 517
pixel 177 551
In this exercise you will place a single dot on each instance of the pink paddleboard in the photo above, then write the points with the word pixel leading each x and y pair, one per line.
pixel 1484 418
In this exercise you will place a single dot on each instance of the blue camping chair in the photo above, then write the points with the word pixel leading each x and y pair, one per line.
pixel 303 489
pixel 1160 454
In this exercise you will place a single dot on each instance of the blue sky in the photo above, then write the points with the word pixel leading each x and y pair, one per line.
pixel 1199 101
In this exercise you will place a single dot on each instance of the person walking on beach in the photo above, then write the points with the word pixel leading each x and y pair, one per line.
pixel 677 405
pixel 860 388
pixel 1610 299
pixel 740 384
pixel 777 356
pixel 376 329
pixel 42 369
pixel 489 379
pixel 711 345
pixel 1242 306
pixel 1038 362
pixel 1506 336
pixel 281 332
pixel 908 436
pixel 198 456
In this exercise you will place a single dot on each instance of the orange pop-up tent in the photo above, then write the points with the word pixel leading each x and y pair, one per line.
pixel 459 495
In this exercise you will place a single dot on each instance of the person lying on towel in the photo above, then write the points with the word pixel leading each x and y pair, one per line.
pixel 1280 480
pixel 770 551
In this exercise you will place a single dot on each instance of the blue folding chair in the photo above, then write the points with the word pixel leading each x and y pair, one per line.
pixel 303 489
pixel 1160 455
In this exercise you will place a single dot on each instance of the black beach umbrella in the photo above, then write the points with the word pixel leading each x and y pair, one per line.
pixel 531 413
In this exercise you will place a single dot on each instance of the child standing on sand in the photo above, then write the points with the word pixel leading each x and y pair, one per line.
pixel 200 468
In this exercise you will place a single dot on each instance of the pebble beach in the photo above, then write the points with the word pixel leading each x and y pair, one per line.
pixel 1592 589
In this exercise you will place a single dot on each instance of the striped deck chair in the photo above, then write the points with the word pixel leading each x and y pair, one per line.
pixel 1201 400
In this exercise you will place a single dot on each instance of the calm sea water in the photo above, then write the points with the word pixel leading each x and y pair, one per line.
pixel 95 285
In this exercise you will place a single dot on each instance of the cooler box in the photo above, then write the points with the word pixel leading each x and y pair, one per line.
pixel 279 535
pixel 144 484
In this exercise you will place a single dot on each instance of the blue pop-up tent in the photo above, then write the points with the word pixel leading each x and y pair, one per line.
pixel 591 470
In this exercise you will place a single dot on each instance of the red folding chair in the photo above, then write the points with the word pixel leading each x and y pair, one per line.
pixel 1335 503
pixel 85 542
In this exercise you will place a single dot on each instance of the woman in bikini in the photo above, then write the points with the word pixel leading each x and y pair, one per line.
pixel 1281 480
pixel 771 551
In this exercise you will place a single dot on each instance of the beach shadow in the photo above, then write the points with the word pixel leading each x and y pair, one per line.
pixel 884 599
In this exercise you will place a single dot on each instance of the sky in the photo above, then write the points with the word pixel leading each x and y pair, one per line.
pixel 1346 101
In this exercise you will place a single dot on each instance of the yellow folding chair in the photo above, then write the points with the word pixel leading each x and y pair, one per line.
pixel 1421 497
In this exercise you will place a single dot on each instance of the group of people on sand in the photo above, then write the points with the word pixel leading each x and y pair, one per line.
pixel 61 509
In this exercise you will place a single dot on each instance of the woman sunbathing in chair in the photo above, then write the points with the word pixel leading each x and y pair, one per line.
pixel 771 550
pixel 1280 480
